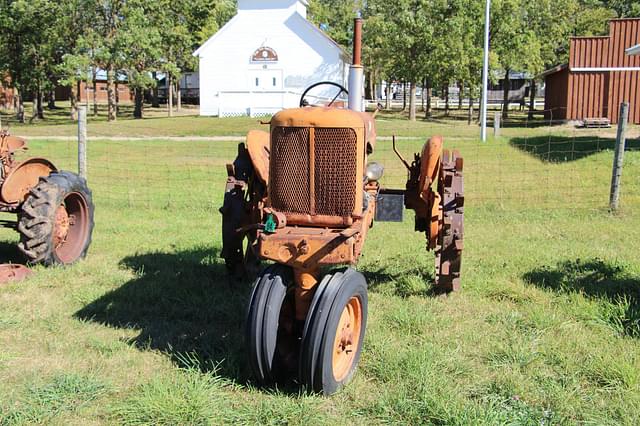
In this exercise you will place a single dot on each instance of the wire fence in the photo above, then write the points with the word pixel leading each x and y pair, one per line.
pixel 536 164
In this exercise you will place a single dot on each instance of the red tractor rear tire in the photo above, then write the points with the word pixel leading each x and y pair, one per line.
pixel 55 221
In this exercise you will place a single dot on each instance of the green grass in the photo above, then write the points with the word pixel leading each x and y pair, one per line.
pixel 148 329
pixel 188 123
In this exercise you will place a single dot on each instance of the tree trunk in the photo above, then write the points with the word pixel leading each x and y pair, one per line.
pixel 95 91
pixel 505 99
pixel 154 91
pixel 412 101
pixel 19 107
pixel 117 98
pixel 427 111
pixel 470 117
pixel 460 93
pixel 74 103
pixel 111 96
pixel 139 106
pixel 178 97
pixel 387 95
pixel 40 104
pixel 404 96
pixel 532 98
pixel 169 84
pixel 51 99
pixel 424 83
pixel 446 100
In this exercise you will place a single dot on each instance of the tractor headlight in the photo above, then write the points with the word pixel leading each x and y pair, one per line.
pixel 374 171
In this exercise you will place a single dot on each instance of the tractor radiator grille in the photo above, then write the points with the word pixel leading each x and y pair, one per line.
pixel 289 169
pixel 333 170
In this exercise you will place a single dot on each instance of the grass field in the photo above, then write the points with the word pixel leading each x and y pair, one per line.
pixel 148 329
pixel 188 123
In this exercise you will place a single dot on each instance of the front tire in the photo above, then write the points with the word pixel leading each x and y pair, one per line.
pixel 55 221
pixel 334 332
pixel 270 327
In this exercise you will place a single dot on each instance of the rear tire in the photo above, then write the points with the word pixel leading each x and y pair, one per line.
pixel 55 221
pixel 334 332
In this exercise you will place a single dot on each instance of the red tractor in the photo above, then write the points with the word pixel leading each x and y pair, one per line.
pixel 54 207
pixel 304 197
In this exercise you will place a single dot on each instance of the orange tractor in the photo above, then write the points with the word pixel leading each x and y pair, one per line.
pixel 54 207
pixel 304 196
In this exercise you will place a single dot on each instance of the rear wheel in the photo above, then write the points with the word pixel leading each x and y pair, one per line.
pixel 242 192
pixel 270 330
pixel 451 236
pixel 55 221
pixel 334 332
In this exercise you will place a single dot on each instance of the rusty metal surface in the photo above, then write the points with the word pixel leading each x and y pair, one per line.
pixel 13 272
pixel 315 172
pixel 61 227
pixel 308 247
pixel 71 228
pixel 318 117
pixel 258 147
pixel 241 211
pixel 289 170
pixel 357 41
pixel 23 177
pixel 451 234
pixel 335 163
pixel 11 144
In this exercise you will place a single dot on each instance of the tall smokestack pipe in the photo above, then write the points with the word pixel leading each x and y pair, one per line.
pixel 356 71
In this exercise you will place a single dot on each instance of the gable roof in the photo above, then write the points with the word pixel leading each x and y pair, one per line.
pixel 224 28
pixel 552 70
pixel 345 55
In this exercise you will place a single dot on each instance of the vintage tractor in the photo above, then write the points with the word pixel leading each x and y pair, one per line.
pixel 54 208
pixel 304 196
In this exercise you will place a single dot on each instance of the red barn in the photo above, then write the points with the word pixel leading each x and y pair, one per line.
pixel 599 76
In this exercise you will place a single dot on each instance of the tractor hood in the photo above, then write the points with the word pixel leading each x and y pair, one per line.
pixel 328 117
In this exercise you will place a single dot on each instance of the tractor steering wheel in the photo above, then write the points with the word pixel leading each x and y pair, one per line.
pixel 303 101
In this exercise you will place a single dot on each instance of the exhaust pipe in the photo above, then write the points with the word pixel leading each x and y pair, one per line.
pixel 356 71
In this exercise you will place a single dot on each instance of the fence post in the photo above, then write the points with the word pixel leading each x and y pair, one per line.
pixel 496 124
pixel 616 174
pixel 82 141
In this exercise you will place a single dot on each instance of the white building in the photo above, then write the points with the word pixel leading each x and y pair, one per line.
pixel 262 60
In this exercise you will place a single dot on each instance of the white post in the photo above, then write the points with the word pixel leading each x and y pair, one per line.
pixel 485 75
pixel 82 141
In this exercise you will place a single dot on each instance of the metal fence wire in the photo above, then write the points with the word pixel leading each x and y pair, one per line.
pixel 534 165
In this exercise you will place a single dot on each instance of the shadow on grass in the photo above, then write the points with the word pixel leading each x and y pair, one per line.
pixel 185 306
pixel 596 278
pixel 404 282
pixel 557 148
pixel 9 253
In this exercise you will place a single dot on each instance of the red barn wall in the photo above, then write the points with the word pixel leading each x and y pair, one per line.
pixel 598 92
pixel 555 99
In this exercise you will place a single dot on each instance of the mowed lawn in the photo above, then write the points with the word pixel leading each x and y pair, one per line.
pixel 149 329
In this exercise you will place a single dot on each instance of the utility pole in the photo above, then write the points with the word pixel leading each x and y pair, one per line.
pixel 485 75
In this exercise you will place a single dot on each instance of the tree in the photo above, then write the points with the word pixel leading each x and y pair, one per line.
pixel 335 17
pixel 141 49
pixel 28 48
